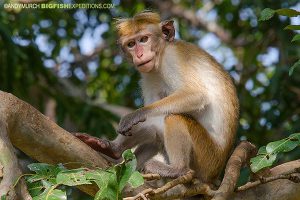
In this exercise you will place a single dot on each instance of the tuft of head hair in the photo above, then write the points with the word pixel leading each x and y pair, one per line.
pixel 129 26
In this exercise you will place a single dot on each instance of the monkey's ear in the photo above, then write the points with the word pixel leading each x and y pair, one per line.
pixel 168 30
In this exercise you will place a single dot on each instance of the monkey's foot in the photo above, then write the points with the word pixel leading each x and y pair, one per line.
pixel 98 144
pixel 164 170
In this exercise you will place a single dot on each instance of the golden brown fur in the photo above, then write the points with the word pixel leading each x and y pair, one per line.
pixel 132 25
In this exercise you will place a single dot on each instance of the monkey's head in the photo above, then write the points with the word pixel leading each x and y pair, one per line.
pixel 142 38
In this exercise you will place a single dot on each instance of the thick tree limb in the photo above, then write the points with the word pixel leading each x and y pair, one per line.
pixel 40 138
pixel 9 164
pixel 241 155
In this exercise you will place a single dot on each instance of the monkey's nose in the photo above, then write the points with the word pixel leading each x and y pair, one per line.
pixel 139 55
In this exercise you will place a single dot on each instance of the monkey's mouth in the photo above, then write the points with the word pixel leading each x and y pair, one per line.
pixel 144 63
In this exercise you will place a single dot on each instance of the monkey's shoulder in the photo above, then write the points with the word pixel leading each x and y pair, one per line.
pixel 191 52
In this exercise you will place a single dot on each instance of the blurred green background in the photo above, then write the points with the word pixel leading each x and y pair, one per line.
pixel 66 63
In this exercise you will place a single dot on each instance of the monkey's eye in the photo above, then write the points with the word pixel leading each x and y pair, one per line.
pixel 131 44
pixel 144 39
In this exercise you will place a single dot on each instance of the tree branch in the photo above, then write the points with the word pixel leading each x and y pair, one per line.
pixel 177 10
pixel 277 189
pixel 9 165
pixel 40 138
pixel 241 155
pixel 290 176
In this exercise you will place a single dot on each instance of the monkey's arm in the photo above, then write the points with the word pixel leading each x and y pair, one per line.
pixel 182 101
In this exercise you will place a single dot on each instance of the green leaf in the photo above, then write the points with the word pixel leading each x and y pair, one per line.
pixel 35 188
pixel 46 184
pixel 72 177
pixel 295 135
pixel 262 150
pixel 107 182
pixel 126 168
pixel 136 179
pixel 288 12
pixel 292 27
pixel 261 161
pixel 128 155
pixel 284 145
pixel 112 181
pixel 101 177
pixel 296 37
pixel 107 194
pixel 44 172
pixel 51 194
pixel 267 154
pixel 266 14
pixel 296 64
pixel 41 168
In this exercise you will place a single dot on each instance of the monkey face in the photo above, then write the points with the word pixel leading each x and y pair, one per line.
pixel 145 45
pixel 140 48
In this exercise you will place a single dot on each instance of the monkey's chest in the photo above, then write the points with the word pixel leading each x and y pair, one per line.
pixel 156 89
pixel 155 94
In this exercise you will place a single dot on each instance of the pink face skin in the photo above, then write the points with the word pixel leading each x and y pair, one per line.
pixel 139 47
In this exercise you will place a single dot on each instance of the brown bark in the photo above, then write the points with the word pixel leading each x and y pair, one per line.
pixel 240 157
pixel 40 138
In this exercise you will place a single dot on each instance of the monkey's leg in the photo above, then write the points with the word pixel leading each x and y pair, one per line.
pixel 145 152
pixel 178 145
pixel 140 135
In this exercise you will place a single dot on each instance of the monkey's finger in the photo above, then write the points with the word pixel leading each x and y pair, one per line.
pixel 81 135
pixel 124 131
pixel 138 121
pixel 142 120
pixel 83 138
pixel 128 133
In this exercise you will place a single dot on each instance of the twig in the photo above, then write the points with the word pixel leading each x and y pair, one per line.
pixel 141 195
pixel 201 188
pixel 292 175
pixel 151 193
pixel 180 180
pixel 150 177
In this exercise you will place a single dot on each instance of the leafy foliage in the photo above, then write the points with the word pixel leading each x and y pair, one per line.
pixel 296 37
pixel 268 13
pixel 266 155
pixel 296 64
pixel 48 181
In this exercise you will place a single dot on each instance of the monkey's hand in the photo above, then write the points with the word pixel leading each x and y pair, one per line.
pixel 130 120
pixel 98 144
